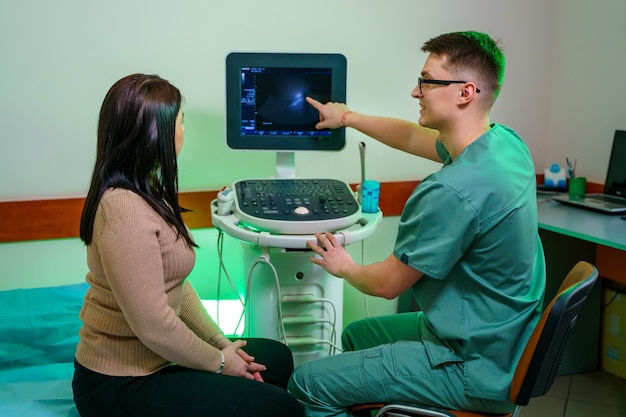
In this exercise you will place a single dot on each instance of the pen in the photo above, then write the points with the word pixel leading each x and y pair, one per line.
pixel 571 167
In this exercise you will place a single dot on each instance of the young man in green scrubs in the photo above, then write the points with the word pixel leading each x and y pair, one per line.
pixel 467 246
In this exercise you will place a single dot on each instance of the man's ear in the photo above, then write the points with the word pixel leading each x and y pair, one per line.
pixel 468 92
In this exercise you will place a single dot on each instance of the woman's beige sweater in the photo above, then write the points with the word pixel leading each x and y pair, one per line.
pixel 139 313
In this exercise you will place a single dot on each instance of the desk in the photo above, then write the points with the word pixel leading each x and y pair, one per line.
pixel 603 229
pixel 571 234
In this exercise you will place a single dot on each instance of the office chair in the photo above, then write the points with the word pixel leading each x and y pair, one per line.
pixel 540 361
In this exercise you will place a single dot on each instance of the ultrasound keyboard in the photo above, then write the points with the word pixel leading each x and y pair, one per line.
pixel 296 206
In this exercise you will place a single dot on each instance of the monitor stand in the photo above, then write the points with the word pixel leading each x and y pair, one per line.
pixel 285 164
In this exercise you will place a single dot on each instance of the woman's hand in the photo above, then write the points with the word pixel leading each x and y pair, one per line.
pixel 238 363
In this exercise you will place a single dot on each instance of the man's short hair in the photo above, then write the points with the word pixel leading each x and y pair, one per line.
pixel 473 51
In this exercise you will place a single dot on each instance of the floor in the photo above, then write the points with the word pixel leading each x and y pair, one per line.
pixel 594 394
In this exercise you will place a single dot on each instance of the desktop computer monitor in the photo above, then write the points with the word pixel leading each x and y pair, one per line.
pixel 266 107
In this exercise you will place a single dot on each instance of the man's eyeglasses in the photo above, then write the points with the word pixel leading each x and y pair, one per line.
pixel 421 81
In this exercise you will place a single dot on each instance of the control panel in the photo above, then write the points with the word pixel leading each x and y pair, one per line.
pixel 295 206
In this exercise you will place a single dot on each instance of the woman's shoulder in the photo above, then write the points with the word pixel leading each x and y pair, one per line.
pixel 124 200
pixel 121 195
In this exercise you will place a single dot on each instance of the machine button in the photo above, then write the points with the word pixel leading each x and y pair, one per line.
pixel 301 210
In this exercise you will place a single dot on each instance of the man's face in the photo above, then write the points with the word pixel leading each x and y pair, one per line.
pixel 436 101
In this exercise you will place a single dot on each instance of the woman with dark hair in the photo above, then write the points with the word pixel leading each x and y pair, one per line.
pixel 147 346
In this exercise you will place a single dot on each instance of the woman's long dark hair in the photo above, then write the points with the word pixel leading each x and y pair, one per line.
pixel 136 149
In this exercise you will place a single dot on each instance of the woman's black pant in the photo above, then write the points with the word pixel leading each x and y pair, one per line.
pixel 177 391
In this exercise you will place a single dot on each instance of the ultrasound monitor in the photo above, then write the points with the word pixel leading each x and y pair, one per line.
pixel 266 107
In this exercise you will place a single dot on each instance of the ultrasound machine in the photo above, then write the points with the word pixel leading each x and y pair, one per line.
pixel 288 298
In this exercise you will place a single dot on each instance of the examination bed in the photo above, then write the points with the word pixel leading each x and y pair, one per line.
pixel 38 336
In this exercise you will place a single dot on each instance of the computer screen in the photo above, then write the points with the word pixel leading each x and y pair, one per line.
pixel 265 100
pixel 616 174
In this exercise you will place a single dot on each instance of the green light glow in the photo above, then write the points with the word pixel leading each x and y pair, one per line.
pixel 228 316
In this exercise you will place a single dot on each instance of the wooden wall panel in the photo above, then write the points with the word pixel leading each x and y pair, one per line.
pixel 53 219
pixel 40 219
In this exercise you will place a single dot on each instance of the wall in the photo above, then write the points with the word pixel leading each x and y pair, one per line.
pixel 588 101
pixel 59 58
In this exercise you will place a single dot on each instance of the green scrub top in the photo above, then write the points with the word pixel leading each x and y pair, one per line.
pixel 471 229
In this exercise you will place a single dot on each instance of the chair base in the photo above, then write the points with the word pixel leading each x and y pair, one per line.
pixel 405 410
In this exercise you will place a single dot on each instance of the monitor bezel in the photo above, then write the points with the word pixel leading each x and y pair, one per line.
pixel 235 61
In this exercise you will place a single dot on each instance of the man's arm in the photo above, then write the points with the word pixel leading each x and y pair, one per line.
pixel 388 278
pixel 399 134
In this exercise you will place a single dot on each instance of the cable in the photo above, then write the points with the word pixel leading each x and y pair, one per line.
pixel 311 320
pixel 307 341
pixel 287 298
pixel 310 299
pixel 220 242
pixel 365 305
pixel 616 292
pixel 222 267
pixel 264 259
pixel 333 334
pixel 247 301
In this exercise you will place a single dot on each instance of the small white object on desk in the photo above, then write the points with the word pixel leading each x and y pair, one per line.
pixel 554 176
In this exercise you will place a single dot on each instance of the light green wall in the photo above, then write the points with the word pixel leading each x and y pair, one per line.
pixel 60 57
pixel 563 92
pixel 588 100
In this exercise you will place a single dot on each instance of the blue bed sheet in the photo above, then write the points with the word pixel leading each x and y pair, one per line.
pixel 38 336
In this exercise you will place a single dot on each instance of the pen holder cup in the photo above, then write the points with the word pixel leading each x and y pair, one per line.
pixel 577 186
pixel 370 195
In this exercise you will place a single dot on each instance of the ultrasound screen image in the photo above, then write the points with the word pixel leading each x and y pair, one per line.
pixel 273 100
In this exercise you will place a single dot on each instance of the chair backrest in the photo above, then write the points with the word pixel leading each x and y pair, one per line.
pixel 542 356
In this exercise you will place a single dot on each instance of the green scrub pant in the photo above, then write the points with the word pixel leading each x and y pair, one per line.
pixel 384 360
